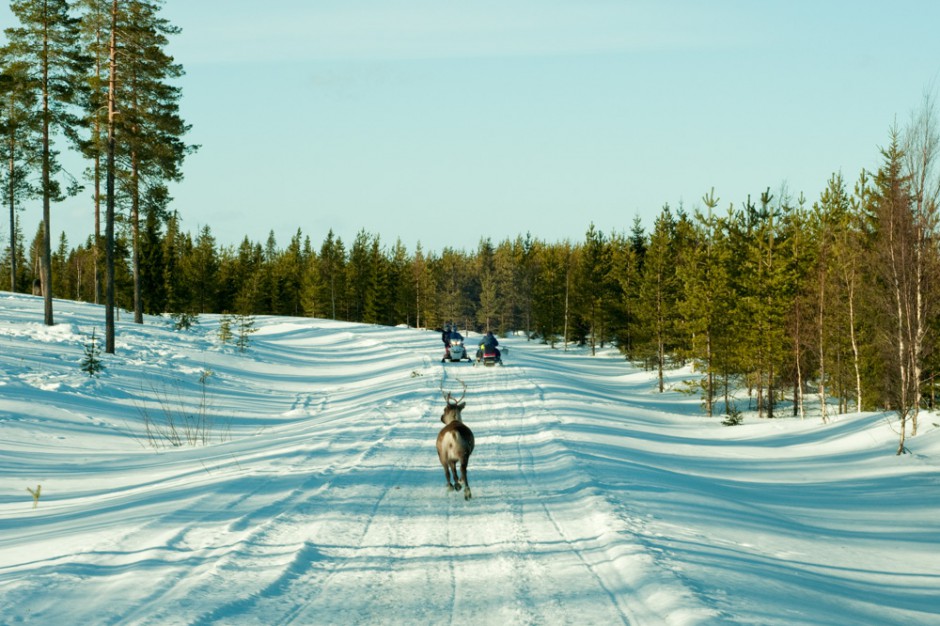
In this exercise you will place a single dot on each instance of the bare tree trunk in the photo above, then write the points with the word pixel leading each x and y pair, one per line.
pixel 710 377
pixel 902 346
pixel 96 249
pixel 822 347
pixel 922 151
pixel 135 236
pixel 45 264
pixel 798 409
pixel 109 218
pixel 417 302
pixel 660 360
pixel 12 203
pixel 856 358
pixel 567 290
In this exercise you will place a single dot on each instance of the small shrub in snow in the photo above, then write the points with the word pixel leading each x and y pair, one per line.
pixel 225 329
pixel 734 416
pixel 179 421
pixel 245 324
pixel 184 321
pixel 92 364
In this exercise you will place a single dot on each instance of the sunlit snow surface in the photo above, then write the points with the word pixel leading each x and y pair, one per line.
pixel 319 499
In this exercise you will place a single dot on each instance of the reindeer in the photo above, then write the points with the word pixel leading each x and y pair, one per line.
pixel 455 443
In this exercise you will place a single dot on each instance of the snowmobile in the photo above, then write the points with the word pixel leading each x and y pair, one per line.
pixel 489 356
pixel 456 352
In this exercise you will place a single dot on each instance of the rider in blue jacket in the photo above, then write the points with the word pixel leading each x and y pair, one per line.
pixel 488 344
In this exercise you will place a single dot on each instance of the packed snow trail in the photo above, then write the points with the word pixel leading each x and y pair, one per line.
pixel 337 511
pixel 320 499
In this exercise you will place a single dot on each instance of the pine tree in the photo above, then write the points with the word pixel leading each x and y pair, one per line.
pixel 454 284
pixel 150 130
pixel 706 303
pixel 625 277
pixel 202 269
pixel 802 269
pixel 506 277
pixel 153 264
pixel 762 286
pixel 401 292
pixel 333 275
pixel 17 127
pixel 594 286
pixel 46 43
pixel 425 293
pixel 248 267
pixel 376 304
pixel 60 280
pixel 358 276
pixel 550 290
pixel 95 37
pixel 659 292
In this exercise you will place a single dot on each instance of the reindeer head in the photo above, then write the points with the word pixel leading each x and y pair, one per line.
pixel 454 407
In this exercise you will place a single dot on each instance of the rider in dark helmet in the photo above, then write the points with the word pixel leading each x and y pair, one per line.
pixel 488 344
pixel 445 337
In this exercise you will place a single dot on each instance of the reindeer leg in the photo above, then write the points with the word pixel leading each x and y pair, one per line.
pixel 450 485
pixel 453 469
pixel 463 478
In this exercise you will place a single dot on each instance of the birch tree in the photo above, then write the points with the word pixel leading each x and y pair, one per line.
pixel 922 169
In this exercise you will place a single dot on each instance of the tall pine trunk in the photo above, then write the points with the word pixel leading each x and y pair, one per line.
pixel 12 203
pixel 109 186
pixel 45 263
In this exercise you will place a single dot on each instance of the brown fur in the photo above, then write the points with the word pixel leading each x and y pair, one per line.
pixel 455 444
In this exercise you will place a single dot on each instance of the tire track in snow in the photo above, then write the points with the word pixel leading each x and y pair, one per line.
pixel 632 572
pixel 365 565
pixel 517 400
pixel 281 583
pixel 568 509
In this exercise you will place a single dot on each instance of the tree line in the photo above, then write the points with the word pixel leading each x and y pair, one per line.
pixel 835 297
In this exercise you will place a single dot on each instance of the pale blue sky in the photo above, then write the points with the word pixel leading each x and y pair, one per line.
pixel 506 117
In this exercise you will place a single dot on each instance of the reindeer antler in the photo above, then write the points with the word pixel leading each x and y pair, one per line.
pixel 449 397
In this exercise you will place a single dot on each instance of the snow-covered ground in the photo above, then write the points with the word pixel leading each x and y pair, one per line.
pixel 318 497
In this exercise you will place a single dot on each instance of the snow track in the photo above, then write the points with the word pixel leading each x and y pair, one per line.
pixel 326 504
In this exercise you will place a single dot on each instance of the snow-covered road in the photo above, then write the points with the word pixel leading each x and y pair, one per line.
pixel 320 500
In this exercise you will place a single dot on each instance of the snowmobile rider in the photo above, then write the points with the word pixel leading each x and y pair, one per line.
pixel 488 344
pixel 445 337
pixel 449 336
